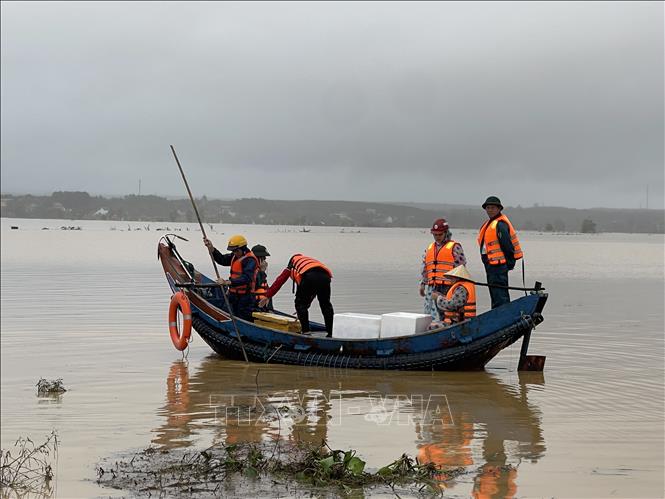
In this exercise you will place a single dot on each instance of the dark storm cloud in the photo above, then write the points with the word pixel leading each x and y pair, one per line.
pixel 537 102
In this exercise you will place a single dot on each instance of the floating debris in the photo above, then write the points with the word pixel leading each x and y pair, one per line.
pixel 53 387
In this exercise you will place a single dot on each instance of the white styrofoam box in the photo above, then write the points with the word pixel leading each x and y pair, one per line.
pixel 404 324
pixel 356 326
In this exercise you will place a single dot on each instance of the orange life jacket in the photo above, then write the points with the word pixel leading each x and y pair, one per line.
pixel 261 287
pixel 469 309
pixel 236 272
pixel 494 482
pixel 453 449
pixel 488 234
pixel 438 263
pixel 300 264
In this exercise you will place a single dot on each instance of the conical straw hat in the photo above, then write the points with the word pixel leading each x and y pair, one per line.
pixel 459 272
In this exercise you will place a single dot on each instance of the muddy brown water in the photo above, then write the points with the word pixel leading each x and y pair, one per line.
pixel 90 307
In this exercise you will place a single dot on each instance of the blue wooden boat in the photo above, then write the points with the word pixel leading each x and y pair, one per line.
pixel 469 345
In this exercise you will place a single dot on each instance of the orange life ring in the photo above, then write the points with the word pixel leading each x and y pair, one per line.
pixel 180 301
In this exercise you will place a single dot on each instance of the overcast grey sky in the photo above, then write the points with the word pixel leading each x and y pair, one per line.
pixel 552 103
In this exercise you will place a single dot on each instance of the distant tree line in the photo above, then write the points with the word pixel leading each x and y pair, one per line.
pixel 75 205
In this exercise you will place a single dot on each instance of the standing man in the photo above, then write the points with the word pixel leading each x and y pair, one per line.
pixel 242 280
pixel 313 280
pixel 442 255
pixel 499 249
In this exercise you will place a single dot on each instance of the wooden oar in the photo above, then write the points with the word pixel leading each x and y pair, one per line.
pixel 214 264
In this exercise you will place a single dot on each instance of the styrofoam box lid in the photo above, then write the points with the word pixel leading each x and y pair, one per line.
pixel 358 316
pixel 408 315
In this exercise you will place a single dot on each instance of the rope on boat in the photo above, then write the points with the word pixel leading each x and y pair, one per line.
pixel 273 354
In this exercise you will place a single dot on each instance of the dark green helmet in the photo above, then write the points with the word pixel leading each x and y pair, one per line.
pixel 493 200
pixel 260 251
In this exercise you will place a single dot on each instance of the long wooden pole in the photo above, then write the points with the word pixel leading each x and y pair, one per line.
pixel 536 288
pixel 214 264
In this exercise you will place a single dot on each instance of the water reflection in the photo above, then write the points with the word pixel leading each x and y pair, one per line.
pixel 470 420
pixel 177 431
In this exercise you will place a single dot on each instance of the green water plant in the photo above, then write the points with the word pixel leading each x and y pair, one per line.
pixel 301 467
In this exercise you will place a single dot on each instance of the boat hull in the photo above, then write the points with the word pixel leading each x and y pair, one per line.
pixel 471 357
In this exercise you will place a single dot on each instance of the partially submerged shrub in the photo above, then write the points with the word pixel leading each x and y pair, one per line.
pixel 52 387
pixel 26 470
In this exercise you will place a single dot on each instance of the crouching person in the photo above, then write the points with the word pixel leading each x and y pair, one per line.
pixel 313 280
pixel 459 303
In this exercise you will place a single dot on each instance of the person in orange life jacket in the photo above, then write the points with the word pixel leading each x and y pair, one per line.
pixel 261 287
pixel 442 255
pixel 459 303
pixel 313 280
pixel 499 249
pixel 242 281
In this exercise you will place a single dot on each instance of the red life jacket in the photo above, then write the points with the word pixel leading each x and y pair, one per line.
pixel 469 308
pixel 300 264
pixel 438 263
pixel 488 234
pixel 236 272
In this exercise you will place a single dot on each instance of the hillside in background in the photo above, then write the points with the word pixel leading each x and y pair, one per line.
pixel 82 206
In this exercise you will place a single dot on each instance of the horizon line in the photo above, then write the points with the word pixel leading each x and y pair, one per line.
pixel 183 197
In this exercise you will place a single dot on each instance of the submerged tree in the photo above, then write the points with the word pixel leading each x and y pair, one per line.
pixel 25 470
pixel 588 226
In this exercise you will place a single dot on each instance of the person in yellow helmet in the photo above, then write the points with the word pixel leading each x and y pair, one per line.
pixel 242 280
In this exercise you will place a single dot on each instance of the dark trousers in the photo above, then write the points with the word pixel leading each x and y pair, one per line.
pixel 242 305
pixel 498 274
pixel 314 283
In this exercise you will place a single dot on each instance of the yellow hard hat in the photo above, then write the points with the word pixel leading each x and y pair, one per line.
pixel 236 241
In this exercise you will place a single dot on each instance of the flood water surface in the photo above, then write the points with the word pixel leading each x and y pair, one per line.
pixel 90 307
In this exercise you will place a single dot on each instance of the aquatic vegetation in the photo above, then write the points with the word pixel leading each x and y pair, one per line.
pixel 26 469
pixel 298 468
